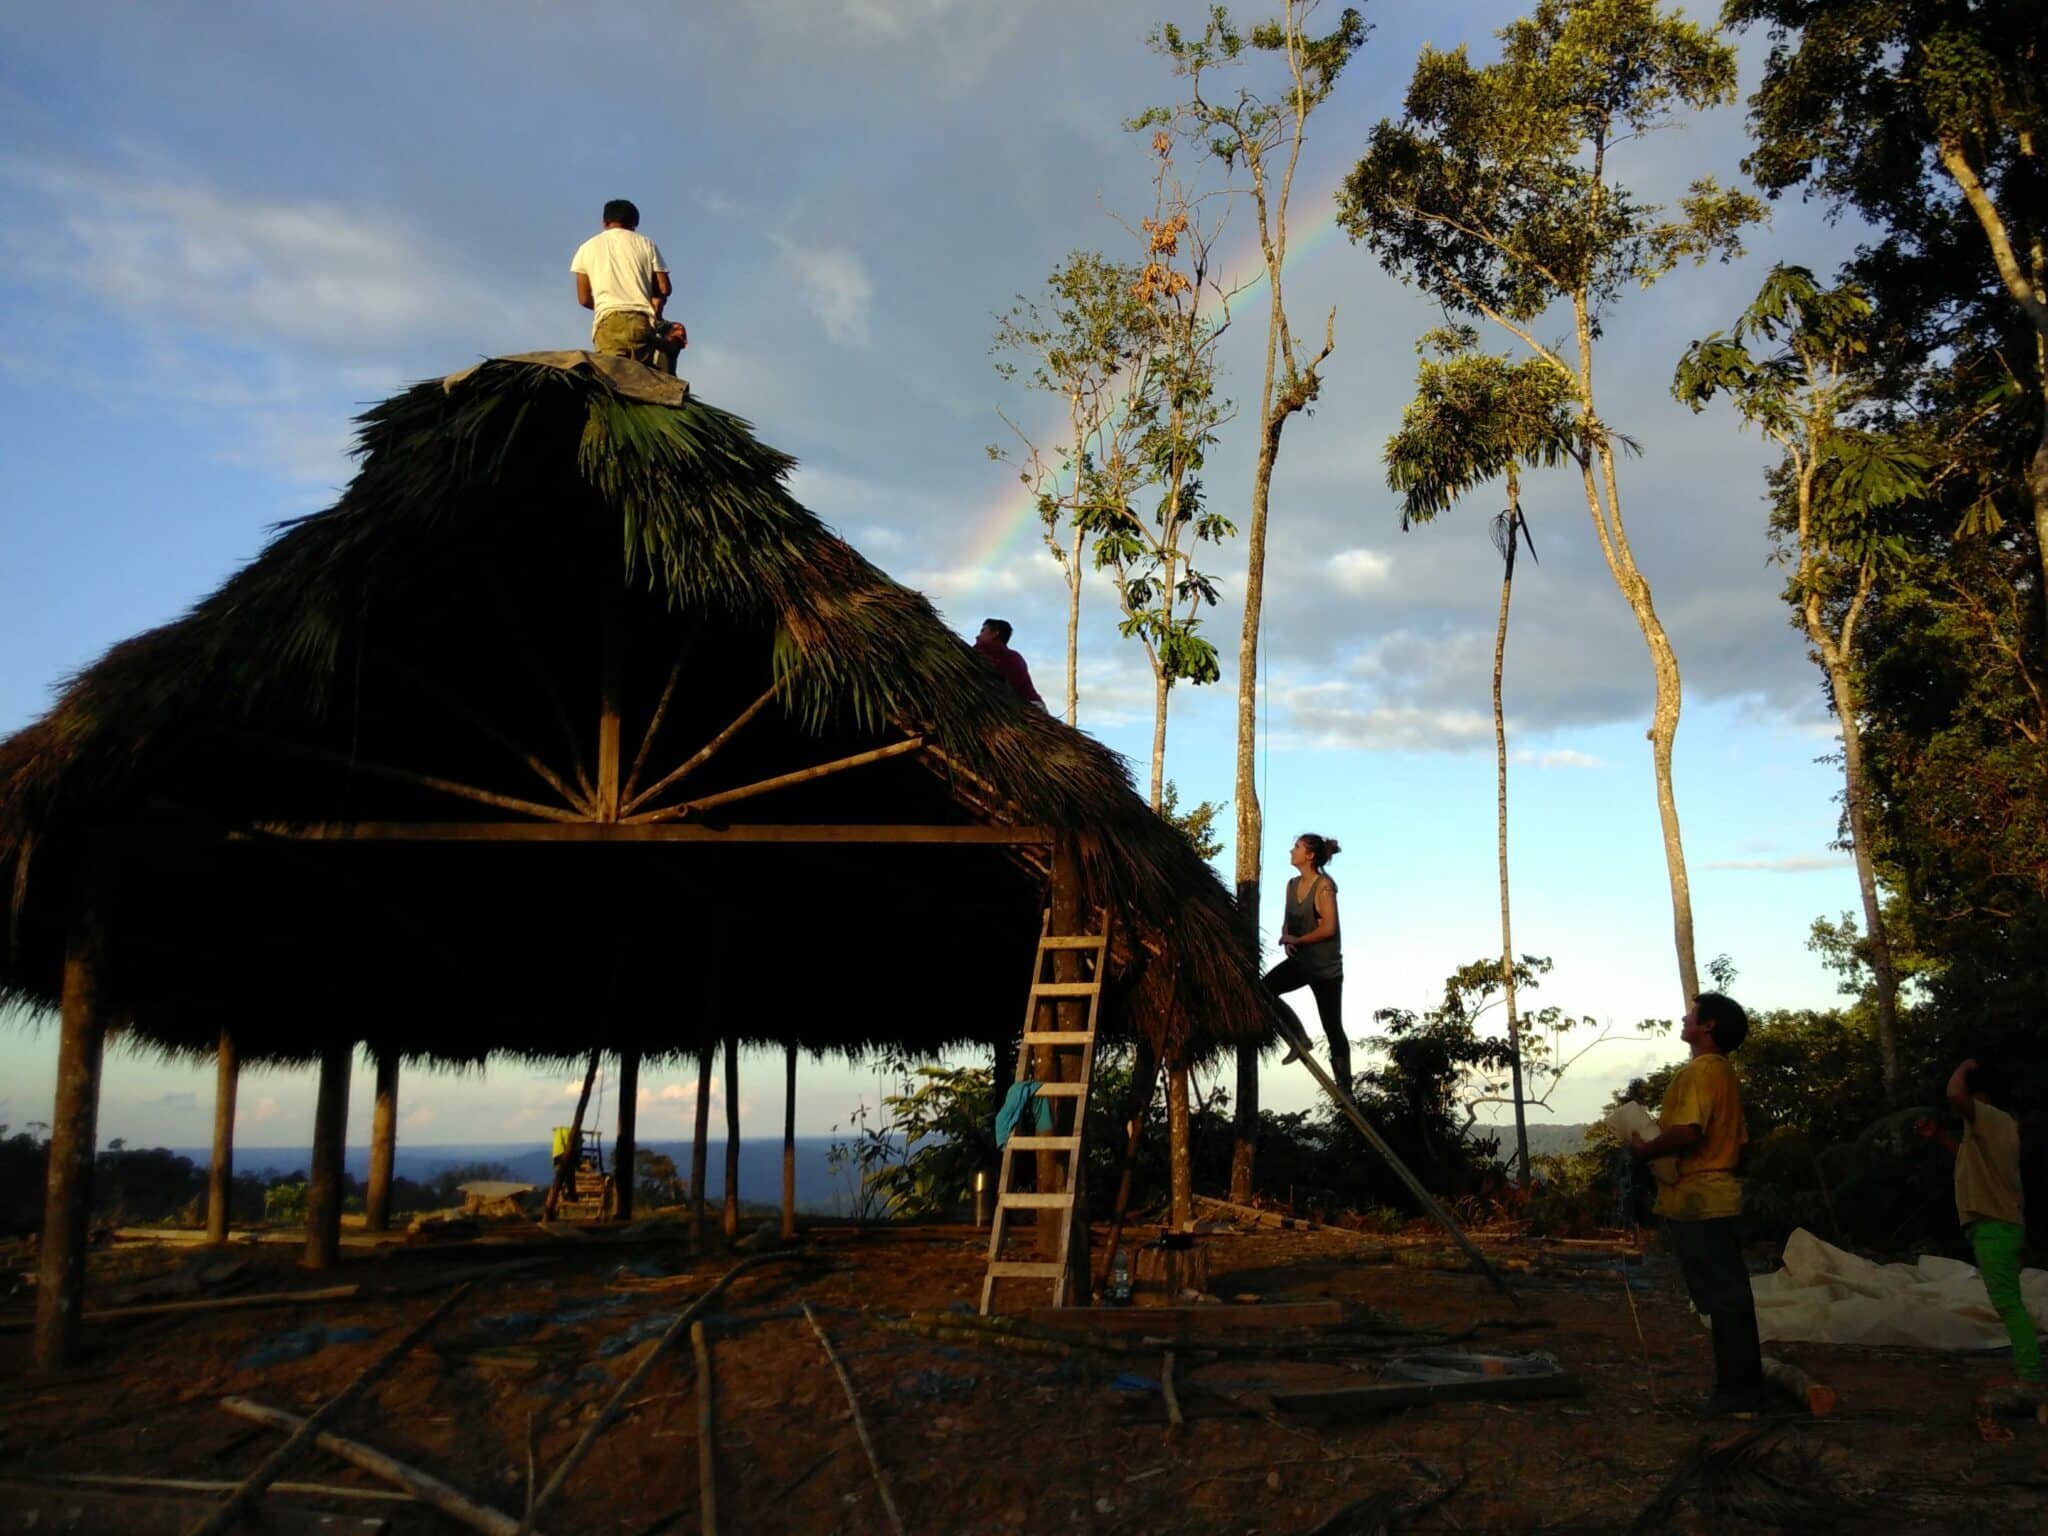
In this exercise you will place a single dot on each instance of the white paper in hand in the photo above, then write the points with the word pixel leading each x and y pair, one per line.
pixel 1629 1117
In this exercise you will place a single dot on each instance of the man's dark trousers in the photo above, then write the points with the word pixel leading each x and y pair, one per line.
pixel 1710 1258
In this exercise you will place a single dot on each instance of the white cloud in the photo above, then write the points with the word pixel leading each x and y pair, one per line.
pixel 834 284
pixel 1359 571
pixel 1791 864
pixel 1555 757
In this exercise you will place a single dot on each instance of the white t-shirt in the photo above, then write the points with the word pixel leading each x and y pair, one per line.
pixel 620 264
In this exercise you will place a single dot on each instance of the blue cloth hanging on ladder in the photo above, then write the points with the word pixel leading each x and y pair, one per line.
pixel 1023 1095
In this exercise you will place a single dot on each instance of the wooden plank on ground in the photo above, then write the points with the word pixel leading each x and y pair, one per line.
pixel 1189 1322
pixel 1364 1402
pixel 37 1507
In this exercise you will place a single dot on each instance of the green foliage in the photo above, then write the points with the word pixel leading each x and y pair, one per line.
pixel 1197 823
pixel 1493 194
pixel 285 1203
pixel 943 1122
pixel 1474 418
pixel 656 1181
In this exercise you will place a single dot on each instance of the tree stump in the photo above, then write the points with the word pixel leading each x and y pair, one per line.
pixel 1166 1269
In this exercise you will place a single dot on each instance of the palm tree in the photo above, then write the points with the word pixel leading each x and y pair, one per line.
pixel 1476 417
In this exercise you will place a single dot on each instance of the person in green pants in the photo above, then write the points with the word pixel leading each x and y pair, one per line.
pixel 1992 1208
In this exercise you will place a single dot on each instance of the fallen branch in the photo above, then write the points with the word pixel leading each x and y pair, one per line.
pixel 273 1465
pixel 707 1436
pixel 631 1384
pixel 1173 1418
pixel 450 1501
pixel 1280 1222
pixel 1354 1401
pixel 221 1485
pixel 205 1304
pixel 860 1426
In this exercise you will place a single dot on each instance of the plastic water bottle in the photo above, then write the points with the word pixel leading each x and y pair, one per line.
pixel 1120 1275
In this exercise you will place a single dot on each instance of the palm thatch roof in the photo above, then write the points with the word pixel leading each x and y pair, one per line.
pixel 519 542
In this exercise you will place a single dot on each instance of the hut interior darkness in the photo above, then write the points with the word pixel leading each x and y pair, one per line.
pixel 565 729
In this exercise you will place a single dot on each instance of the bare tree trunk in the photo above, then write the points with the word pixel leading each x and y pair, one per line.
pixel 1500 758
pixel 74 1134
pixel 383 1145
pixel 626 1143
pixel 1877 938
pixel 1161 687
pixel 324 1172
pixel 700 1147
pixel 220 1178
pixel 1621 564
pixel 1074 632
pixel 1250 825
pixel 732 1136
pixel 1178 1134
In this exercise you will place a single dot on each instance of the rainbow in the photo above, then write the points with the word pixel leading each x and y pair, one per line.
pixel 1003 527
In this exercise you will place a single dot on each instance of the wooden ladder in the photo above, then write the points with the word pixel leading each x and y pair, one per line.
pixel 1068 1100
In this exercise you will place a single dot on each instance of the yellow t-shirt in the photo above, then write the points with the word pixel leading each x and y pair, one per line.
pixel 1705 1094
pixel 1988 1169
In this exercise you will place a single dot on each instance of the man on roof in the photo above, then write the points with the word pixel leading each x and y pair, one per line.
pixel 621 277
pixel 993 646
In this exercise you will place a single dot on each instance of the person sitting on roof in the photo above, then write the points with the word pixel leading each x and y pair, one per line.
pixel 993 645
pixel 621 277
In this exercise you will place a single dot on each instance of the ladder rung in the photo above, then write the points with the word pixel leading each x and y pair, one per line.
pixel 1058 1037
pixel 1065 988
pixel 1019 1269
pixel 1062 1090
pixel 1072 941
pixel 1044 1143
pixel 1037 1202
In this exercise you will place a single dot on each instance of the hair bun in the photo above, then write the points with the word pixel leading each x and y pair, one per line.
pixel 1331 847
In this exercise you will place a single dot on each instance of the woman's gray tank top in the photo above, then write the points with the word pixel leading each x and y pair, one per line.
pixel 1324 961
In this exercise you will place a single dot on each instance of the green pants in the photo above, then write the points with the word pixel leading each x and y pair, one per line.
pixel 629 333
pixel 1997 1246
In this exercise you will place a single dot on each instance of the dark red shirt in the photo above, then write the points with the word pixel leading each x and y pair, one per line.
pixel 1011 669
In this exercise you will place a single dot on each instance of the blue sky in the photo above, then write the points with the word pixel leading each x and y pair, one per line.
pixel 229 227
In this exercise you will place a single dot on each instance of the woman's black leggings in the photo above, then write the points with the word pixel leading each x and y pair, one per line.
pixel 1290 976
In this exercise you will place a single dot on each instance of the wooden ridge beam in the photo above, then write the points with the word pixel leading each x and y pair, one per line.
pixel 637 832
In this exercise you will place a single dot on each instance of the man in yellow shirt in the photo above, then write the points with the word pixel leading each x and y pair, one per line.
pixel 1701 1122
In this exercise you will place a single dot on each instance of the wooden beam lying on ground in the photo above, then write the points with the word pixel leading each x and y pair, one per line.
pixel 450 1501
pixel 1364 1402
pixel 1281 1222
pixel 1190 1322
pixel 301 1439
pixel 207 1304
pixel 42 1506
pixel 860 1425
pixel 116 1482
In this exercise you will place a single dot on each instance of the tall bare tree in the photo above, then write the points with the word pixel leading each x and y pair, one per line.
pixel 1494 194
pixel 1476 417
pixel 1259 133
pixel 1801 388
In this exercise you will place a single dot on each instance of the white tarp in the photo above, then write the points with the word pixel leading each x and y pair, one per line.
pixel 1825 1296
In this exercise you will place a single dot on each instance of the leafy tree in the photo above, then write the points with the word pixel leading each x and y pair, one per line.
pixel 1198 822
pixel 1474 418
pixel 1077 342
pixel 1260 133
pixel 656 1181
pixel 1793 366
pixel 944 1123
pixel 1495 195
pixel 1159 446
pixel 1928 118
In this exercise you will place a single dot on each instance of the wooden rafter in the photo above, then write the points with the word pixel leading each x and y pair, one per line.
pixel 780 781
pixel 647 736
pixel 408 776
pixel 701 756
pixel 640 832
pixel 571 797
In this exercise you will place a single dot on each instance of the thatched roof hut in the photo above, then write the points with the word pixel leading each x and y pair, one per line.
pixel 412 775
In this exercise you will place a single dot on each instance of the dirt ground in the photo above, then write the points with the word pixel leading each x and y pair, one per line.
pixel 972 1438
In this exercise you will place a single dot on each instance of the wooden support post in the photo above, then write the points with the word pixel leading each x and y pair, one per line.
pixel 700 1156
pixel 626 1145
pixel 220 1178
pixel 383 1144
pixel 74 1129
pixel 707 1434
pixel 789 1142
pixel 324 1172
pixel 732 1136
pixel 564 1181
pixel 1144 1083
pixel 1178 1150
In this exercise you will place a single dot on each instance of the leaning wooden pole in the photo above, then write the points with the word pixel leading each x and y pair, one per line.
pixel 626 1145
pixel 383 1144
pixel 566 1165
pixel 789 1142
pixel 220 1178
pixel 732 1136
pixel 1423 1197
pixel 74 1130
pixel 324 1173
pixel 700 1151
